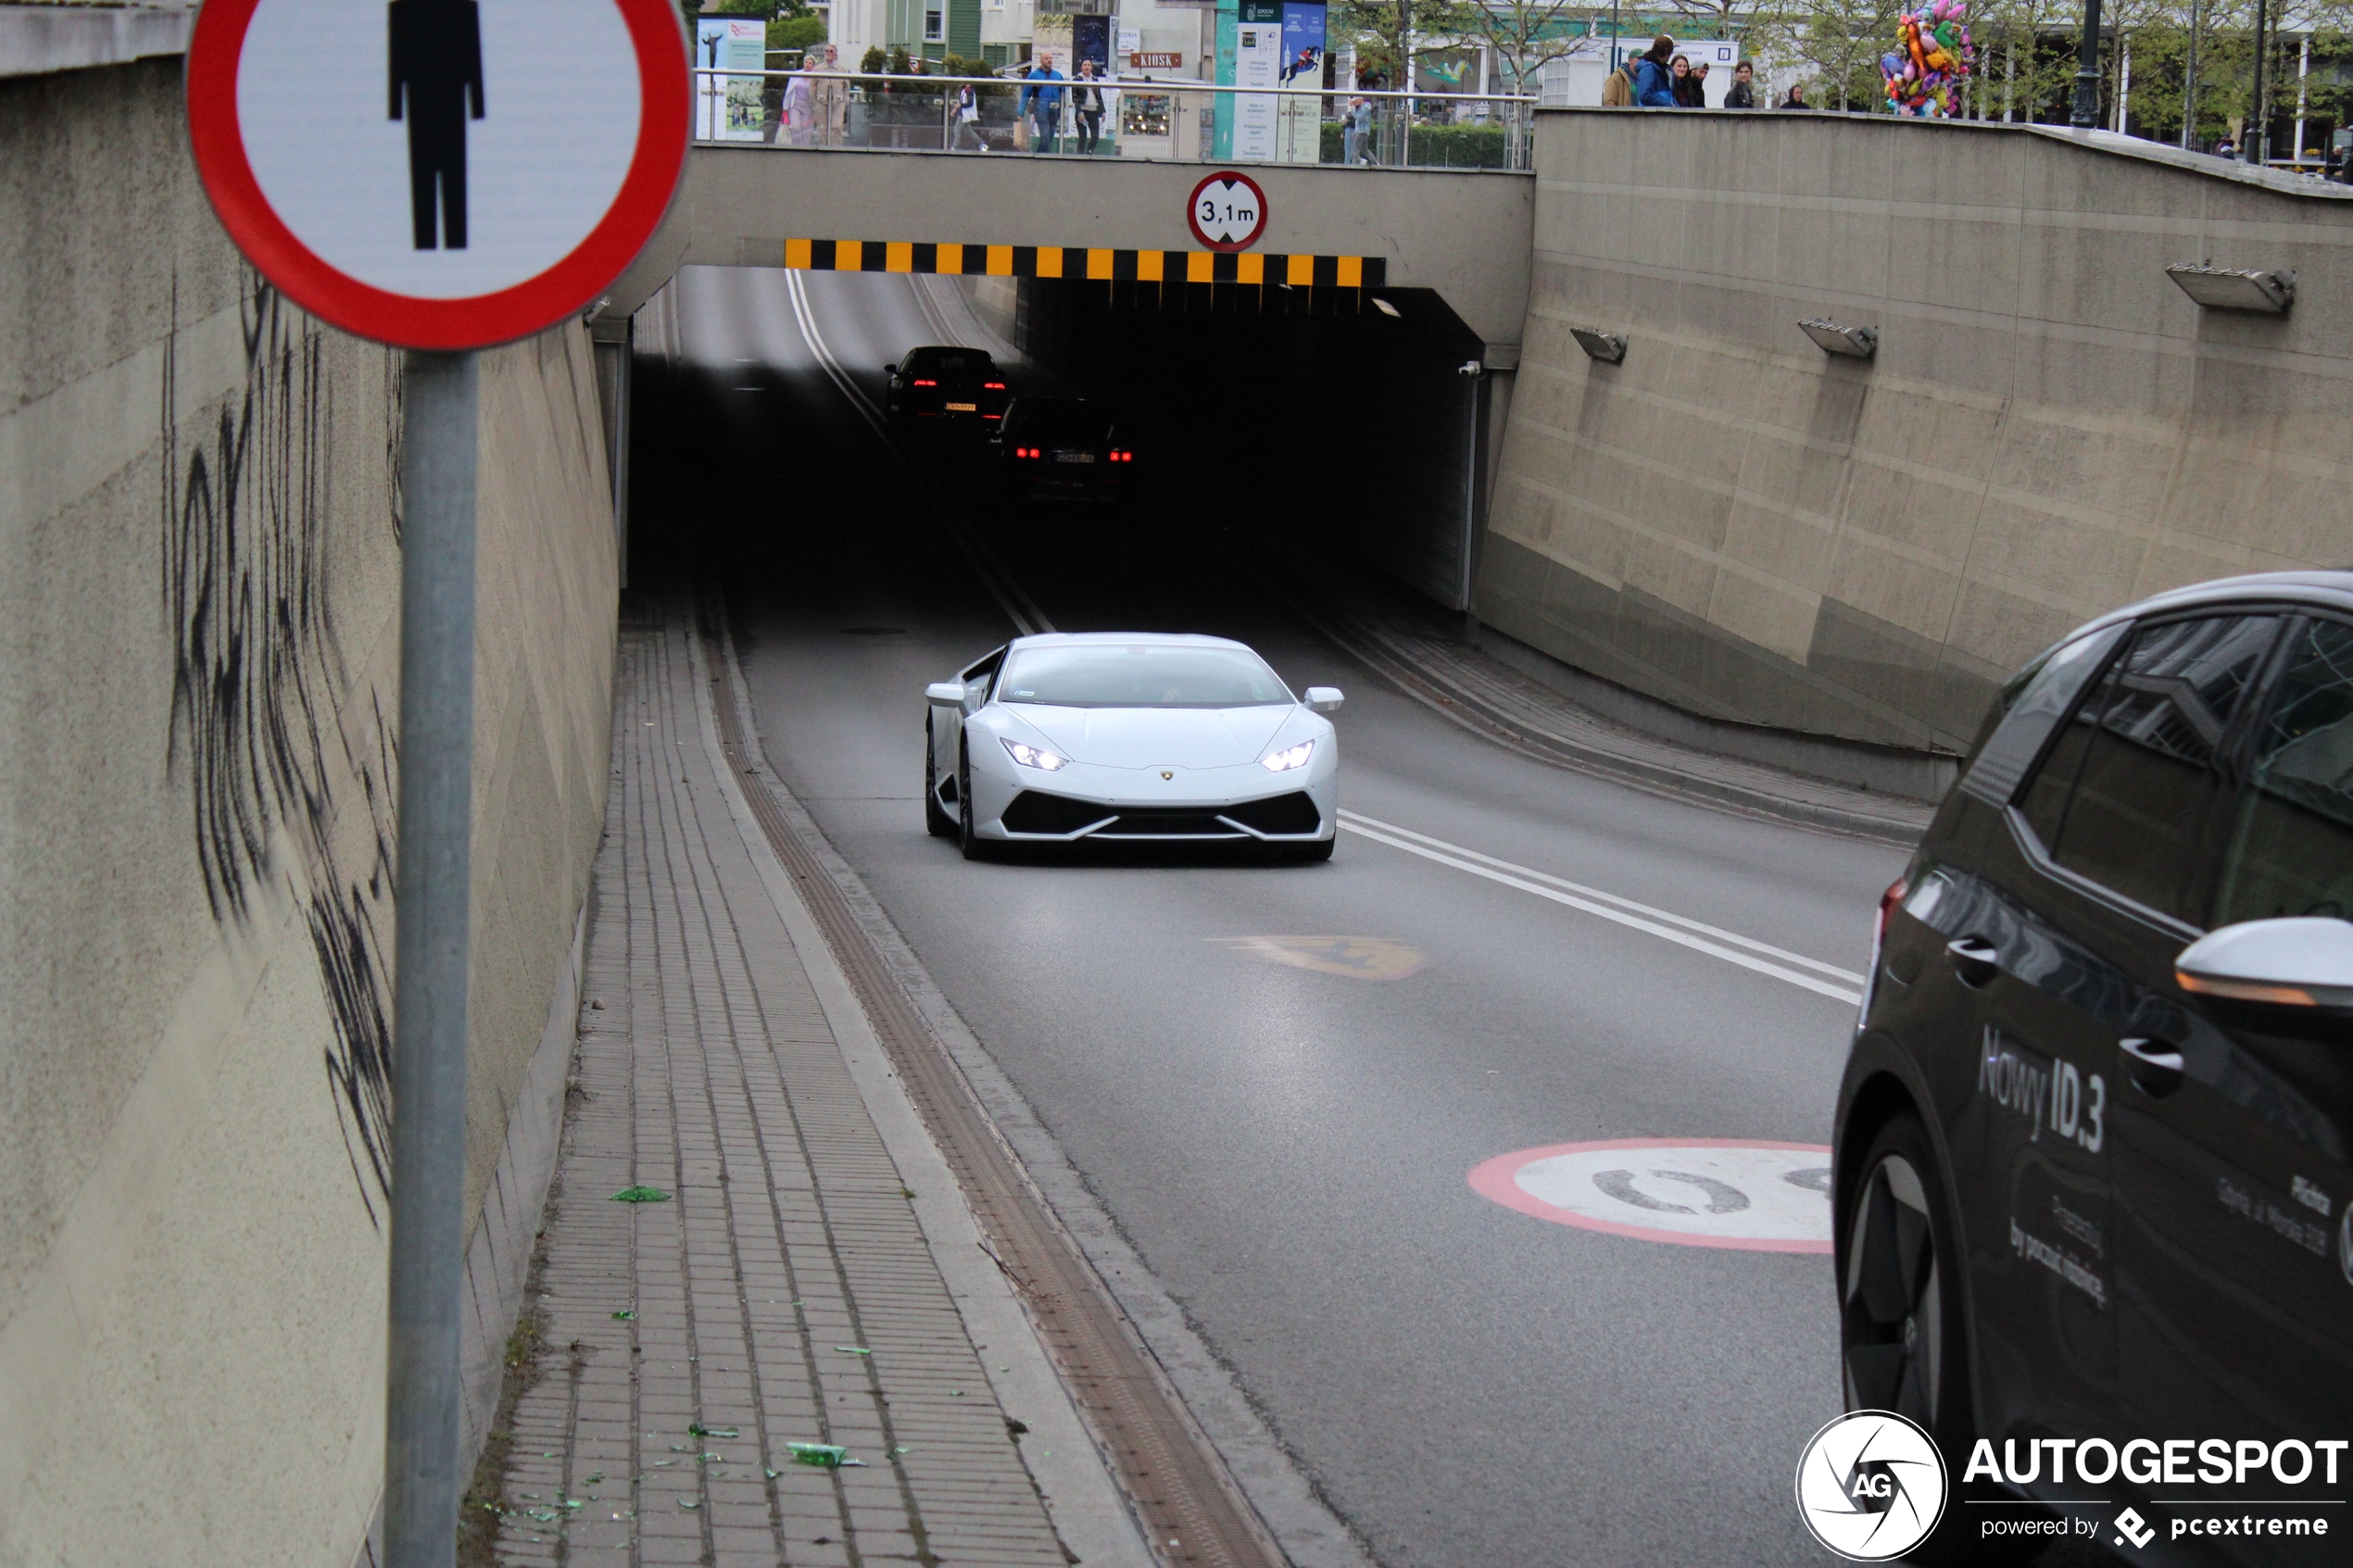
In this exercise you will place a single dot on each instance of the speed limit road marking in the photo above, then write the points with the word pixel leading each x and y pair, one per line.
pixel 1739 1192
pixel 1358 957
pixel 1227 212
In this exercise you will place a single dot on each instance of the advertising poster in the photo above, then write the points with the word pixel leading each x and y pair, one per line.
pixel 1090 40
pixel 1258 62
pixel 727 108
pixel 1446 70
pixel 1301 118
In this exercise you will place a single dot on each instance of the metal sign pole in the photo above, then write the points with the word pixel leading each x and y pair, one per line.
pixel 434 886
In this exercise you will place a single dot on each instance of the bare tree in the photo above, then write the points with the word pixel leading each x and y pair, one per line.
pixel 1840 40
pixel 1523 34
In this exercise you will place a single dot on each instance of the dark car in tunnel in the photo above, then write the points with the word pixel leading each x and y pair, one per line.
pixel 946 386
pixel 2094 1141
pixel 1062 449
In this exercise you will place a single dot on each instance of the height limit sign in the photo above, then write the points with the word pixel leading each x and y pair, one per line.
pixel 1227 212
pixel 439 174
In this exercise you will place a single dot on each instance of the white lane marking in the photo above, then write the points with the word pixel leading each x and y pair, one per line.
pixel 1582 890
pixel 1026 616
pixel 1715 943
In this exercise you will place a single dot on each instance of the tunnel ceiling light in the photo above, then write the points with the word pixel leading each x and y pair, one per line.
pixel 1386 308
pixel 2235 288
pixel 1608 347
pixel 1855 343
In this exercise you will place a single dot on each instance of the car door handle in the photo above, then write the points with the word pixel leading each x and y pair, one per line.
pixel 2155 1070
pixel 1974 960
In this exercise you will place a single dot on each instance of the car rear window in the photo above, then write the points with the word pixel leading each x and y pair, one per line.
pixel 1074 422
pixel 1141 675
pixel 935 363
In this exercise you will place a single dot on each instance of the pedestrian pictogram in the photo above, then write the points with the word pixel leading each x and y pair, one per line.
pixel 1227 212
pixel 439 173
pixel 435 49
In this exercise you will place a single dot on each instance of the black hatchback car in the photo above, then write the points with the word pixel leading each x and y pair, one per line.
pixel 946 386
pixel 2093 1168
pixel 1065 448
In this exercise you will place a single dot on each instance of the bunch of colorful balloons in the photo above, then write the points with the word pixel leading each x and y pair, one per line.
pixel 1932 58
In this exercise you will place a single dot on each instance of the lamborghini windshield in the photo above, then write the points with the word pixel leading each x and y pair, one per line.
pixel 1141 675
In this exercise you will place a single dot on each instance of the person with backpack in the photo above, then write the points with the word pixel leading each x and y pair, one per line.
pixel 1041 104
pixel 1653 77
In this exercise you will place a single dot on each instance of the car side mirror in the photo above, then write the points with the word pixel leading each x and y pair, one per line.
pixel 2302 961
pixel 944 694
pixel 1324 699
pixel 891 370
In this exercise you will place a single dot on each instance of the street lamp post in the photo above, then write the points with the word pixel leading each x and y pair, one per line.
pixel 2086 114
pixel 2258 126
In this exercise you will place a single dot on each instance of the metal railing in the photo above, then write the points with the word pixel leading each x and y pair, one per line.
pixel 1139 118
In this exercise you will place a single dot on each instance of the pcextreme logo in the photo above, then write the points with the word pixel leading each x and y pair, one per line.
pixel 1871 1486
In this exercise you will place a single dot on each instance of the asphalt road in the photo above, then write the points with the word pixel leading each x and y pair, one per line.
pixel 1289 1147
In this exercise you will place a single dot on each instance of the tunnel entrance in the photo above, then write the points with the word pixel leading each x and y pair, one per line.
pixel 1318 428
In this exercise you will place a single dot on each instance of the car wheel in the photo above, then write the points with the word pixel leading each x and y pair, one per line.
pixel 1903 1341
pixel 974 848
pixel 937 823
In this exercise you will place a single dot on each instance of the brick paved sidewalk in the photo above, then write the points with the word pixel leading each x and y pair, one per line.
pixel 707 1070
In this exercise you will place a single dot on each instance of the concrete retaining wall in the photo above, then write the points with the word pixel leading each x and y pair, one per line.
pixel 199 565
pixel 1737 523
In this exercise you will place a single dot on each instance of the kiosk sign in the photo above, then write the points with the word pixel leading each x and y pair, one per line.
pixel 439 174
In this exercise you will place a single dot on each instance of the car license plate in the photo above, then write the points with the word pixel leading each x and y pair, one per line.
pixel 1073 456
pixel 963 408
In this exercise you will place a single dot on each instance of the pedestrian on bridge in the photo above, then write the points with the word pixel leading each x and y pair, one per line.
pixel 829 100
pixel 1043 104
pixel 968 136
pixel 1356 131
pixel 799 106
pixel 1655 77
pixel 1688 95
pixel 1743 94
pixel 1087 103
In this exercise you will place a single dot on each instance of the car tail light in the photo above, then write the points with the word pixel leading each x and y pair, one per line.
pixel 1119 454
pixel 992 387
pixel 992 415
pixel 1029 451
pixel 926 383
pixel 1890 901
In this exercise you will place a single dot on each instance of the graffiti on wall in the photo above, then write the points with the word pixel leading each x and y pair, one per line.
pixel 273 747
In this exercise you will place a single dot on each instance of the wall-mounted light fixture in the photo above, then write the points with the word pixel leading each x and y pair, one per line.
pixel 2235 288
pixel 1386 308
pixel 1855 343
pixel 1608 347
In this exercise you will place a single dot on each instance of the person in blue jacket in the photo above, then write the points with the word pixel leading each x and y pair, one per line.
pixel 1655 78
pixel 1043 105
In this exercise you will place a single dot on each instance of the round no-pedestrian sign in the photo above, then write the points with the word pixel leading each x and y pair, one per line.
pixel 439 174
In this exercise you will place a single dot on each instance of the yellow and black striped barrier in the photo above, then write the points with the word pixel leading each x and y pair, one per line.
pixel 1086 262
